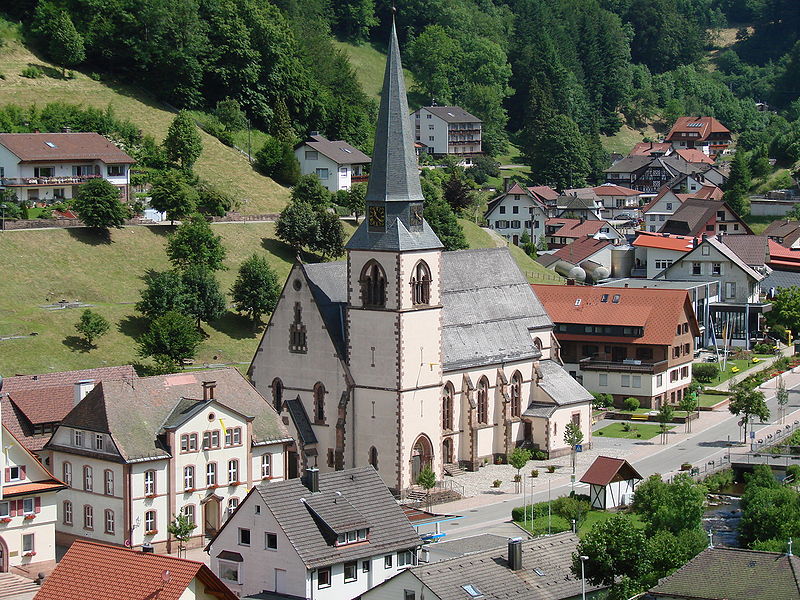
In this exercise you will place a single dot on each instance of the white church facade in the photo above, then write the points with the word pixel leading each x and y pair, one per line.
pixel 405 356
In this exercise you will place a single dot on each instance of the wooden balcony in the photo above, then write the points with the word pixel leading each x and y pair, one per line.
pixel 359 178
pixel 628 366
pixel 40 181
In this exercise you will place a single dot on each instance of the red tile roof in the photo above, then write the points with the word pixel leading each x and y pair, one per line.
pixel 665 241
pixel 693 155
pixel 45 404
pixel 544 192
pixel 517 189
pixel 609 189
pixel 581 249
pixel 645 148
pixel 574 228
pixel 33 487
pixel 30 147
pixel 71 377
pixel 780 255
pixel 605 469
pixel 656 310
pixel 104 572
pixel 707 126
pixel 708 192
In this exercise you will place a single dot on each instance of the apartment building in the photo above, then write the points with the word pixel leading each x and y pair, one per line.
pixel 705 134
pixel 447 130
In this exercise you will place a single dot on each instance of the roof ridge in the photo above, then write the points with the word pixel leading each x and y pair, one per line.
pixel 137 552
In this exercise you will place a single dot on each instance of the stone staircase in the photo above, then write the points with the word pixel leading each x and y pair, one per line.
pixel 14 587
pixel 453 469
pixel 419 496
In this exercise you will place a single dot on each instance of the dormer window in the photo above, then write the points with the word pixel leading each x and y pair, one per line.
pixel 351 537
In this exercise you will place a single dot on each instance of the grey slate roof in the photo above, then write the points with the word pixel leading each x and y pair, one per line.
pixel 488 307
pixel 134 412
pixel 389 528
pixel 779 279
pixel 336 512
pixel 338 151
pixel 733 574
pixel 752 249
pixel 452 114
pixel 396 237
pixel 691 217
pixel 630 164
pixel 489 572
pixel 467 545
pixel 786 229
pixel 560 386
pixel 301 421
pixel 327 282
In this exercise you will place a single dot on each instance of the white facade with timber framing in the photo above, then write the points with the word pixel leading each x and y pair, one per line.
pixel 405 356
pixel 611 482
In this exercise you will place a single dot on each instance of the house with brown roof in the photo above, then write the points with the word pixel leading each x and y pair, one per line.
pixel 705 134
pixel 626 342
pixel 590 254
pixel 516 211
pixel 337 164
pixel 612 482
pixel 696 217
pixel 537 569
pixel 32 406
pixel 447 130
pixel 50 167
pixel 562 231
pixel 331 536
pixel 137 452
pixel 784 232
pixel 732 574
pixel 650 149
pixel 105 572
pixel 27 510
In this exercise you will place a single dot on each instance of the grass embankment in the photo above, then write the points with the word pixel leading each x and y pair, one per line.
pixel 711 399
pixel 642 431
pixel 224 166
pixel 626 138
pixel 557 523
pixel 43 267
pixel 536 273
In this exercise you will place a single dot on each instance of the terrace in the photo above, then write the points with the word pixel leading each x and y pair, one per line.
pixel 40 181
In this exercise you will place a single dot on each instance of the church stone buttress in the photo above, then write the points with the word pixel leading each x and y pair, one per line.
pixel 394 305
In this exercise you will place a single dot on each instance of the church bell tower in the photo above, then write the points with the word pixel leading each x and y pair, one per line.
pixel 394 313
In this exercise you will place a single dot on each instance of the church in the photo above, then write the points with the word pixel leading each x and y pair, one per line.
pixel 405 356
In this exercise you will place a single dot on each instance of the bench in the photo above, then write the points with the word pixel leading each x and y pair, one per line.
pixel 640 417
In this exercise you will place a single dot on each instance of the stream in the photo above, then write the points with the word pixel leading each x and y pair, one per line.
pixel 722 516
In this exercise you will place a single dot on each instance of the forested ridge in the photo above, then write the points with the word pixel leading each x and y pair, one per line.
pixel 544 73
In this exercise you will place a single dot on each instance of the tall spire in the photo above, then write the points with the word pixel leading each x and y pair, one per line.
pixel 394 174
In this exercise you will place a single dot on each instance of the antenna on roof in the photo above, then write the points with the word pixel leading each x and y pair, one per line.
pixel 710 538
pixel 789 553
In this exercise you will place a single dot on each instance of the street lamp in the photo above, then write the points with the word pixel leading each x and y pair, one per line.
pixel 583 577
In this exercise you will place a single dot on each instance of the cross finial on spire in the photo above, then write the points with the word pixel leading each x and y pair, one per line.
pixel 710 538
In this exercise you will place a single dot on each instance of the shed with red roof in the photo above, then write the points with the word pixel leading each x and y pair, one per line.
pixel 611 482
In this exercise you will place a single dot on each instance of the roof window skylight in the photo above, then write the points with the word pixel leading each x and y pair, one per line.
pixel 472 591
pixel 51 144
pixel 577 302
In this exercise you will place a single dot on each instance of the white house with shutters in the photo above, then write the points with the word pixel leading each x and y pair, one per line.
pixel 27 510
pixel 337 164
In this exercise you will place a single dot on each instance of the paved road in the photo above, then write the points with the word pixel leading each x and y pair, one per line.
pixel 700 447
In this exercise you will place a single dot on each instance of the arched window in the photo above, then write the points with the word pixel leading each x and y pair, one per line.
pixel 277 394
pixel 373 457
pixel 483 401
pixel 516 394
pixel 87 478
pixel 88 516
pixel 319 404
pixel 373 285
pixel 188 511
pixel 538 343
pixel 421 284
pixel 108 482
pixel 233 470
pixel 447 407
pixel 109 521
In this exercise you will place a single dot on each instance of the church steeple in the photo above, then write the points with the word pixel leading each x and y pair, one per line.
pixel 394 196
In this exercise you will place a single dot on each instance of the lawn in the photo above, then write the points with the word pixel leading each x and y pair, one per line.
pixel 710 399
pixel 626 138
pixel 742 364
pixel 43 267
pixel 539 526
pixel 615 430
pixel 218 163
pixel 758 223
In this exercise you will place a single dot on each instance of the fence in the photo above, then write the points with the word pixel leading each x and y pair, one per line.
pixel 11 224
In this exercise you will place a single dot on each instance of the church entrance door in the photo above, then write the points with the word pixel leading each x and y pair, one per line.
pixel 421 456
pixel 447 451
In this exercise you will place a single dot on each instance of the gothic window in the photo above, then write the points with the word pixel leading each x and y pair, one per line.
pixel 447 408
pixel 277 394
pixel 319 404
pixel 373 285
pixel 516 394
pixel 483 401
pixel 373 457
pixel 421 284
pixel 297 332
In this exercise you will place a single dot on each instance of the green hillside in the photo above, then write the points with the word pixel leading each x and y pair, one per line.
pixel 225 166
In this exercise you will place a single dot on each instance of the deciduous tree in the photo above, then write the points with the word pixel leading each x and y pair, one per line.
pixel 256 289
pixel 444 223
pixel 297 225
pixel 330 239
pixel 203 298
pixel 194 243
pixel 748 401
pixel 170 194
pixel 183 143
pixel 356 199
pixel 98 205
pixel 785 311
pixel 171 339
pixel 573 436
pixel 163 292
pixel 615 548
pixel 308 189
pixel 91 326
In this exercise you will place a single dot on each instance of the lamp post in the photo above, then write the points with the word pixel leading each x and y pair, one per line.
pixel 583 576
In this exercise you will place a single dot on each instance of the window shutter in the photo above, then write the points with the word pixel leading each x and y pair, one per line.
pixel 22 471
pixel 13 507
pixel 37 504
pixel 8 474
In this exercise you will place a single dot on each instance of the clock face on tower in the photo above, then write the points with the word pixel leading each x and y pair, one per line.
pixel 377 216
pixel 416 213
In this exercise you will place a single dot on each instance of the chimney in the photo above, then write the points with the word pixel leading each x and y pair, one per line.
pixel 582 220
pixel 82 388
pixel 208 389
pixel 66 130
pixel 705 237
pixel 506 183
pixel 694 242
pixel 515 554
pixel 626 285
pixel 312 480
pixel 36 130
pixel 147 548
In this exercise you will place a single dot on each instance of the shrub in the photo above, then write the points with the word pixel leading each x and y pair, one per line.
pixel 70 74
pixel 551 468
pixel 571 508
pixel 627 427
pixel 539 455
pixel 534 511
pixel 31 72
pixel 705 372
pixel 602 400
pixel 95 76
pixel 792 471
pixel 722 479
pixel 496 483
pixel 764 349
pixel 599 432
pixel 535 473
pixel 631 404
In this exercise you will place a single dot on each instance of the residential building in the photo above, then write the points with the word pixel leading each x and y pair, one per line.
pixel 50 167
pixel 447 130
pixel 105 572
pixel 662 206
pixel 625 342
pixel 753 250
pixel 739 309
pixel 516 211
pixel 692 155
pixel 337 164
pixel 696 217
pixel 651 149
pixel 656 252
pixel 34 405
pixel 27 510
pixel 784 232
pixel 537 569
pixel 459 335
pixel 733 574
pixel 137 452
pixel 703 295
pixel 547 196
pixel 562 231
pixel 333 536
pixel 579 206
pixel 785 259
pixel 705 134
pixel 618 202
pixel 648 174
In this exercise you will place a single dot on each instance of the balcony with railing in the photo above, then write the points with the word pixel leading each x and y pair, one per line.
pixel 40 181
pixel 627 365
pixel 359 178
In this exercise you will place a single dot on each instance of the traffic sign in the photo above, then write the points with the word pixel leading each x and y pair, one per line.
pixel 578 447
pixel 752 435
